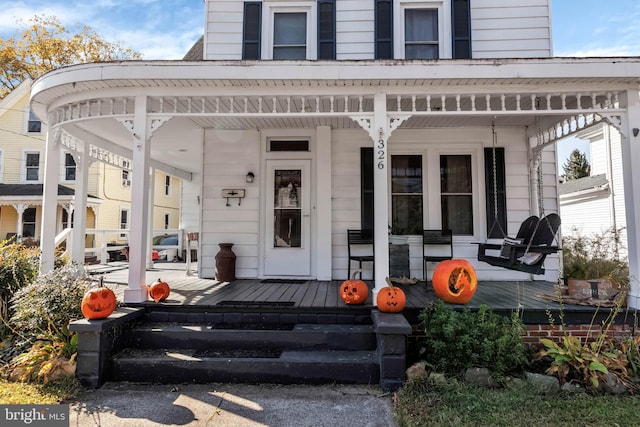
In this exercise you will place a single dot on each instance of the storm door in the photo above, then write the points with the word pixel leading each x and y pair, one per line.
pixel 288 220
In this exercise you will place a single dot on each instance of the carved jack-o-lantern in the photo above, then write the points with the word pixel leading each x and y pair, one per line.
pixel 159 291
pixel 455 281
pixel 98 303
pixel 391 299
pixel 354 291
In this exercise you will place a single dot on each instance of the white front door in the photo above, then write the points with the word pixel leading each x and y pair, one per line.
pixel 288 220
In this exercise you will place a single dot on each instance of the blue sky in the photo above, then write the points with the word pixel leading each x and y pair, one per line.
pixel 166 29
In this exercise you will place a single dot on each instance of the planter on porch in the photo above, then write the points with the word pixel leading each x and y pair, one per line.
pixel 225 263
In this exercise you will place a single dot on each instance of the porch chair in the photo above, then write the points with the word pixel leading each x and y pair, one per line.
pixel 360 248
pixel 529 249
pixel 437 245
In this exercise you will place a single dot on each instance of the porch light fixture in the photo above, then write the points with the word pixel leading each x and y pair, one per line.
pixel 250 177
pixel 635 131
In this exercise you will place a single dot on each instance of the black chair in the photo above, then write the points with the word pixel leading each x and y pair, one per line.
pixel 360 247
pixel 437 245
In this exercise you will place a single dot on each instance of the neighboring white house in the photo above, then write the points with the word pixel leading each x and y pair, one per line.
pixel 348 114
pixel 596 204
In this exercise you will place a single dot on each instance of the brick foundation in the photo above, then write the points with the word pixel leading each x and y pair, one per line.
pixel 533 333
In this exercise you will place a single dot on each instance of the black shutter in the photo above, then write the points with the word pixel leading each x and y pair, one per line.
pixel 251 30
pixel 326 29
pixel 384 29
pixel 496 226
pixel 461 22
pixel 366 188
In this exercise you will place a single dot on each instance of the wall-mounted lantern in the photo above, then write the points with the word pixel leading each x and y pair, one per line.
pixel 250 177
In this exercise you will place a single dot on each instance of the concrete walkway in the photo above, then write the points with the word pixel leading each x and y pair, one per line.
pixel 232 405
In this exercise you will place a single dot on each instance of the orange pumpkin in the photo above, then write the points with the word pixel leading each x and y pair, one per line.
pixel 455 281
pixel 391 299
pixel 98 303
pixel 354 292
pixel 159 291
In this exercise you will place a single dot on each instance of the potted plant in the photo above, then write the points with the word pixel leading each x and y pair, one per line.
pixel 592 265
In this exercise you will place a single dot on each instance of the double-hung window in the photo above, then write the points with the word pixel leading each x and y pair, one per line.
pixel 32 166
pixel 33 124
pixel 456 193
pixel 406 194
pixel 29 222
pixel 69 167
pixel 421 34
pixel 290 35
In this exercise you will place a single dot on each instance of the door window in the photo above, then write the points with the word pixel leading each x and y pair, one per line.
pixel 287 209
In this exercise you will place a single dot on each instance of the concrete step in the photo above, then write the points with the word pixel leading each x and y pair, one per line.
pixel 302 336
pixel 169 366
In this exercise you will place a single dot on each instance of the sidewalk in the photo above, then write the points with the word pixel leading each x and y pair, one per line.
pixel 232 405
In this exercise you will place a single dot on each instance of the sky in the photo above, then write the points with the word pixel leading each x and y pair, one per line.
pixel 166 29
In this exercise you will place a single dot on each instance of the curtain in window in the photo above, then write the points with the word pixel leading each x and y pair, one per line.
pixel 290 36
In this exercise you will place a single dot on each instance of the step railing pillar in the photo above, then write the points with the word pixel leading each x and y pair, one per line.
pixel 391 331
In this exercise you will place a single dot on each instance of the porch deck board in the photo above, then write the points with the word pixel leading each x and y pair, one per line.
pixel 323 296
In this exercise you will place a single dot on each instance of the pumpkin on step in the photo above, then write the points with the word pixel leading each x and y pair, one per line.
pixel 455 281
pixel 354 292
pixel 159 290
pixel 391 299
pixel 98 303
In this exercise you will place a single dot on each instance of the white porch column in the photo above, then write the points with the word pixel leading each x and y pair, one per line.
pixel 80 204
pixel 138 241
pixel 20 208
pixel 49 203
pixel 322 214
pixel 152 185
pixel 631 178
pixel 380 129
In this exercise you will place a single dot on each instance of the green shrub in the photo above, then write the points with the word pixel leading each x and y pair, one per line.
pixel 458 340
pixel 44 308
pixel 19 266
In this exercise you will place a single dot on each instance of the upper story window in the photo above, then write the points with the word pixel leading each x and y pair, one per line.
pixel 33 124
pixel 421 34
pixel 32 166
pixel 422 29
pixel 284 30
pixel 167 185
pixel 69 167
pixel 290 35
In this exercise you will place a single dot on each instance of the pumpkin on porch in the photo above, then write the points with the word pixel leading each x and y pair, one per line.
pixel 98 303
pixel 391 299
pixel 159 290
pixel 455 281
pixel 354 291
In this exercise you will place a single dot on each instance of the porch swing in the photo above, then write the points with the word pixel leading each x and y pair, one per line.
pixel 526 251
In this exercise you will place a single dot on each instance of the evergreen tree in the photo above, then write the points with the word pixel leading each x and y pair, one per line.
pixel 577 166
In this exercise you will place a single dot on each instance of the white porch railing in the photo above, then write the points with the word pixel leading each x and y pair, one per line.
pixel 110 240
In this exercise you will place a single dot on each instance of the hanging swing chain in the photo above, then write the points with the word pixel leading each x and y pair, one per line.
pixel 539 171
pixel 496 220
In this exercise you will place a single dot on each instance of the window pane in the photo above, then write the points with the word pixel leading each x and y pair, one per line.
pixel 33 159
pixel 421 51
pixel 406 214
pixel 290 29
pixel 455 174
pixel 406 174
pixel 421 25
pixel 457 214
pixel 289 52
pixel 287 209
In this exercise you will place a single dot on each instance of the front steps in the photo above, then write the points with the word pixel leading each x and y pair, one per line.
pixel 151 345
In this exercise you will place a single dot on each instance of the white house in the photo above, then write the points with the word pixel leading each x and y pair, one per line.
pixel 349 114
pixel 596 204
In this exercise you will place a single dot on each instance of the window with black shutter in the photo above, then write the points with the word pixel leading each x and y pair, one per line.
pixel 326 29
pixel 496 224
pixel 251 30
pixel 384 29
pixel 461 22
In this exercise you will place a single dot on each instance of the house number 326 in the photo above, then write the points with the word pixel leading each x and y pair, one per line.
pixel 381 154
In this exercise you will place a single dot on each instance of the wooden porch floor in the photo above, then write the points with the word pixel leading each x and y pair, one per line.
pixel 193 293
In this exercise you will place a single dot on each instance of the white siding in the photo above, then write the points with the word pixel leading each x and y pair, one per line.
pixel 223 34
pixel 513 29
pixel 354 29
pixel 228 156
